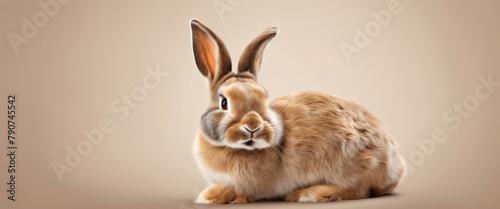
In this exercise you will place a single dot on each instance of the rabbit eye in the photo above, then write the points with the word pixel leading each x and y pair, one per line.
pixel 223 103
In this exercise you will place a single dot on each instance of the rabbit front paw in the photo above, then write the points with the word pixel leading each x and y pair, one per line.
pixel 217 194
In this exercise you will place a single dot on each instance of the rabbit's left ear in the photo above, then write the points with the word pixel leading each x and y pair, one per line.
pixel 251 58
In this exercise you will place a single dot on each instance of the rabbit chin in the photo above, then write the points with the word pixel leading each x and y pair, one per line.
pixel 243 144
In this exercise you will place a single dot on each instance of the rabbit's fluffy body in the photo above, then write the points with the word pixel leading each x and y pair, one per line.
pixel 305 146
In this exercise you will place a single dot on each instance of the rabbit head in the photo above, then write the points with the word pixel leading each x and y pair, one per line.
pixel 237 116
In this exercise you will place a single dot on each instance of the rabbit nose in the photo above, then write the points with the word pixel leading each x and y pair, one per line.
pixel 251 131
pixel 252 121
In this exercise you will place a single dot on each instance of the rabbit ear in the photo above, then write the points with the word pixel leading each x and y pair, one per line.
pixel 251 57
pixel 212 58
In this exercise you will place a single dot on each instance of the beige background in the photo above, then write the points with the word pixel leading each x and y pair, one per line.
pixel 91 52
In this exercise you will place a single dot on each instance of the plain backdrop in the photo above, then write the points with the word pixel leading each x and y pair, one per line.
pixel 88 56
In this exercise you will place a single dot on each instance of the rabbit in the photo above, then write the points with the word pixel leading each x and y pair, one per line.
pixel 306 146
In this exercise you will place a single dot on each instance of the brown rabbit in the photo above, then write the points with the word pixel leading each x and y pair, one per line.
pixel 306 146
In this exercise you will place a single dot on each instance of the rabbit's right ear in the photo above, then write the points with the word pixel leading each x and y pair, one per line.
pixel 212 58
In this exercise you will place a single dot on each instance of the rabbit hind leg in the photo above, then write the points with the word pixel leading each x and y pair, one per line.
pixel 322 193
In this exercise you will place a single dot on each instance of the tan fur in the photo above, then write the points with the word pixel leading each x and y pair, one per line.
pixel 318 142
pixel 313 146
pixel 219 194
pixel 322 193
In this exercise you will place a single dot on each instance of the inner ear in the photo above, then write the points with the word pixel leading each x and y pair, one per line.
pixel 206 51
pixel 251 57
pixel 211 56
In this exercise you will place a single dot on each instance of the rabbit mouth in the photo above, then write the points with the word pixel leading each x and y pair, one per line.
pixel 249 142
